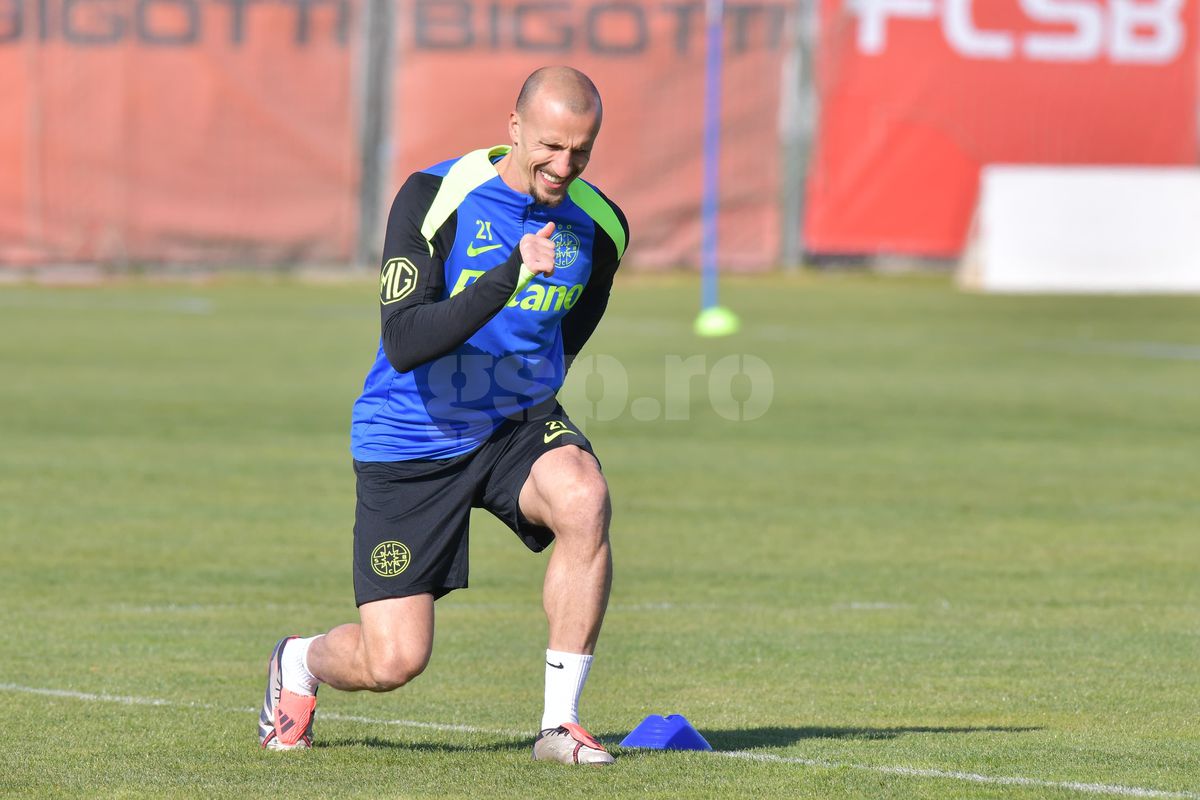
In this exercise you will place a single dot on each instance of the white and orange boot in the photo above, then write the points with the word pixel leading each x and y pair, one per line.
pixel 569 743
pixel 286 720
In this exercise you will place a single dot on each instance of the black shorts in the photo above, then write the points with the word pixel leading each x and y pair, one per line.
pixel 412 517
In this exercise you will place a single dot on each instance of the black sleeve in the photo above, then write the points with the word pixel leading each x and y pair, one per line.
pixel 417 321
pixel 581 321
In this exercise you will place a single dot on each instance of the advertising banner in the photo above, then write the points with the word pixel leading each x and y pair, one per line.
pixel 175 130
pixel 462 63
pixel 228 131
pixel 917 95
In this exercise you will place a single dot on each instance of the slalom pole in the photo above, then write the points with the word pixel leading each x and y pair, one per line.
pixel 713 320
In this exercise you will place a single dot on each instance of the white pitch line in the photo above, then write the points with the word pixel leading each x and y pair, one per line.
pixel 1157 350
pixel 973 777
pixel 102 698
pixel 151 701
pixel 907 772
pixel 432 726
pixel 92 302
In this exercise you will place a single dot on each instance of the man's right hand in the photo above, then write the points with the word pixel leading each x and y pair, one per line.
pixel 537 251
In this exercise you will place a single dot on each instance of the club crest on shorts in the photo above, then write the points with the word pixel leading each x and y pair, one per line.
pixel 390 558
pixel 397 280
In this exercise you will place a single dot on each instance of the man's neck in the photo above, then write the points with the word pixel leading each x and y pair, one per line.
pixel 506 169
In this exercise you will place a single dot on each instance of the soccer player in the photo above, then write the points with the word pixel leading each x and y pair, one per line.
pixel 497 268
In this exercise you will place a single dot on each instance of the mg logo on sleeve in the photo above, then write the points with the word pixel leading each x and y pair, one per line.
pixel 397 280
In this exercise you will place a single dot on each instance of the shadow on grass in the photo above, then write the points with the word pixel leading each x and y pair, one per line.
pixel 740 739
pixel 749 738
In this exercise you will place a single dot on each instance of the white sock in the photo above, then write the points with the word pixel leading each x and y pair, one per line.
pixel 296 677
pixel 566 673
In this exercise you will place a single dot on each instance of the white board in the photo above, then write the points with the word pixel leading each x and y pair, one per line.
pixel 1085 229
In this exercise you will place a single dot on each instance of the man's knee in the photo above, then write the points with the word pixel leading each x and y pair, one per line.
pixel 587 493
pixel 392 668
pixel 580 505
pixel 397 639
pixel 567 493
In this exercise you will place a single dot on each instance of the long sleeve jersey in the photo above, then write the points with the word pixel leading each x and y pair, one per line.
pixel 465 343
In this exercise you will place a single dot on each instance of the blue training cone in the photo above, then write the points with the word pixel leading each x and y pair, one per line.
pixel 666 733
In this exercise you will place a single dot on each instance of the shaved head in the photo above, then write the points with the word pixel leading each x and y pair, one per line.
pixel 552 131
pixel 564 85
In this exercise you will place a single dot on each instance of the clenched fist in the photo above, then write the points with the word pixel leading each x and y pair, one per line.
pixel 537 251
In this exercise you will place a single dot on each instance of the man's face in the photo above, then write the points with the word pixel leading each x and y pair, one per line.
pixel 552 147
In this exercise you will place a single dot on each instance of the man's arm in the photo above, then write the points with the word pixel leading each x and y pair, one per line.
pixel 417 324
pixel 580 322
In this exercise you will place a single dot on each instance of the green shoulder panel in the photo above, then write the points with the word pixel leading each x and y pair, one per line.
pixel 475 168
pixel 599 210
pixel 468 173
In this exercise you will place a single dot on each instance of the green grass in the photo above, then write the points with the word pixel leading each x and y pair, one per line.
pixel 964 538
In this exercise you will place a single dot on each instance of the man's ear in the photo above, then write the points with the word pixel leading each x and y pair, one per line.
pixel 514 126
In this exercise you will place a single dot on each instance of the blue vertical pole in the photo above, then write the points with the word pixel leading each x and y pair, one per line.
pixel 715 12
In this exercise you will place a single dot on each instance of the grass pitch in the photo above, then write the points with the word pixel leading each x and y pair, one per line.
pixel 958 556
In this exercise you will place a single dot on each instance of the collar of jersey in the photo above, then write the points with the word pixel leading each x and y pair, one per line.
pixel 494 155
pixel 465 176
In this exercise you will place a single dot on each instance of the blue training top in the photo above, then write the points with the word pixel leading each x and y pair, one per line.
pixel 463 347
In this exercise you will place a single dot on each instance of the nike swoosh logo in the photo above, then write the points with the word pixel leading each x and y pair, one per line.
pixel 556 666
pixel 550 437
pixel 473 251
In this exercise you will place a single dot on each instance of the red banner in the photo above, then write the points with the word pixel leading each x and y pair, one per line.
pixel 175 131
pixel 463 63
pixel 229 131
pixel 917 95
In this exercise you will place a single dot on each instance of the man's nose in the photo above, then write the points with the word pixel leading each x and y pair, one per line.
pixel 562 163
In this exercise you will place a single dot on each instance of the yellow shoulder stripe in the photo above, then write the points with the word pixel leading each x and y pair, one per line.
pixel 600 211
pixel 468 173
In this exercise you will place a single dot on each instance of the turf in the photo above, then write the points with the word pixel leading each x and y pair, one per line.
pixel 963 538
